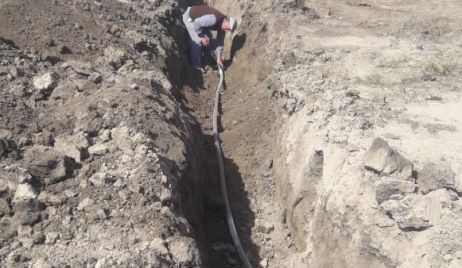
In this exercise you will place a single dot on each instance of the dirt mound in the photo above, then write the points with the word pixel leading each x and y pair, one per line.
pixel 92 152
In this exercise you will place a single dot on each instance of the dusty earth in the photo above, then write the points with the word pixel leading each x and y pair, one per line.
pixel 341 130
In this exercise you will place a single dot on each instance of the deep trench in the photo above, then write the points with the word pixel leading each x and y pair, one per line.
pixel 201 199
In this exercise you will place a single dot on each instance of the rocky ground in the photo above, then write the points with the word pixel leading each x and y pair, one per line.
pixel 341 132
pixel 93 142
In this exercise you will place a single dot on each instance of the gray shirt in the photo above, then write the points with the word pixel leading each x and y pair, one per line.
pixel 201 26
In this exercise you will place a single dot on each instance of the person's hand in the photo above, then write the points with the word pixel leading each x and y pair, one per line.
pixel 204 41
pixel 220 62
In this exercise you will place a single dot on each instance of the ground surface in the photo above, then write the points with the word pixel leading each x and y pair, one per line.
pixel 340 127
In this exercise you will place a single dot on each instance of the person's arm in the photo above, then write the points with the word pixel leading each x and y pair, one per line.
pixel 219 49
pixel 204 22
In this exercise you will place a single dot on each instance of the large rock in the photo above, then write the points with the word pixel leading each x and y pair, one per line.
pixel 417 212
pixel 75 146
pixel 47 164
pixel 434 177
pixel 24 192
pixel 382 159
pixel 393 188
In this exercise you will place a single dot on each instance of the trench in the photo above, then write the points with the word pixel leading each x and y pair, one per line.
pixel 246 129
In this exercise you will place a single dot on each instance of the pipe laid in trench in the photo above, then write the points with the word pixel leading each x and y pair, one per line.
pixel 221 166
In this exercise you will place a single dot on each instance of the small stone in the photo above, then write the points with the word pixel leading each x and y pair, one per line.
pixel 49 199
pixel 115 57
pixel 98 149
pixel 105 135
pixel 24 192
pixel 96 77
pixel 265 228
pixel 38 238
pixel 264 263
pixel 45 82
pixel 101 178
pixel 17 256
pixel 4 208
pixel 114 29
pixel 87 202
pixel 41 263
pixel 50 42
pixel 184 251
pixel 70 193
pixel 25 178
pixel 16 72
pixel 101 263
pixel 65 50
pixel 51 238
pixel 158 244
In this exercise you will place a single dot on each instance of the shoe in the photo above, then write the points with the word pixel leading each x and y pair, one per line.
pixel 200 69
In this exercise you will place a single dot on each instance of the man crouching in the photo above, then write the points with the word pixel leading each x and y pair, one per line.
pixel 199 21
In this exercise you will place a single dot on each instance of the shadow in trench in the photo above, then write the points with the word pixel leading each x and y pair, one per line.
pixel 223 253
pixel 237 43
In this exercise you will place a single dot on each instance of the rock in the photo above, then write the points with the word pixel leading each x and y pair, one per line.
pixel 100 178
pixel 417 212
pixel 96 77
pixel 24 192
pixel 434 177
pixel 114 29
pixel 73 146
pixel 85 203
pixel 82 68
pixel 114 57
pixel 65 50
pixel 393 188
pixel 105 135
pixel 38 238
pixel 27 217
pixel 121 137
pixel 382 159
pixel 96 213
pixel 49 199
pixel 51 238
pixel 98 149
pixel 264 263
pixel 47 164
pixel 41 263
pixel 184 251
pixel 101 263
pixel 265 228
pixel 16 72
pixel 4 208
pixel 158 244
pixel 8 148
pixel 45 82
pixel 16 257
